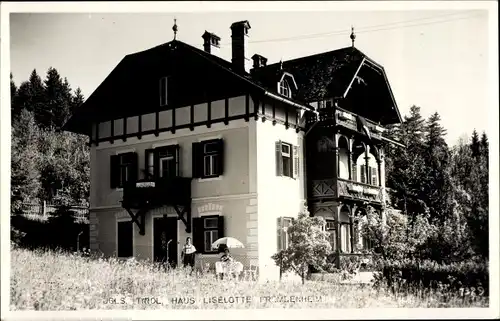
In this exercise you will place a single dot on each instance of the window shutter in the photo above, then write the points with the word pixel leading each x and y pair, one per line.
pixel 177 161
pixel 374 176
pixel 114 171
pixel 279 233
pixel 156 163
pixel 295 161
pixel 354 173
pixel 279 159
pixel 363 173
pixel 198 237
pixel 147 154
pixel 220 167
pixel 220 226
pixel 134 160
pixel 196 159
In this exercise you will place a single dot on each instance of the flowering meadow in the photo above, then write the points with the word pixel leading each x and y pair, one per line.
pixel 51 280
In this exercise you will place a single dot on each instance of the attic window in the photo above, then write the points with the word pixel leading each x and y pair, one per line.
pixel 284 89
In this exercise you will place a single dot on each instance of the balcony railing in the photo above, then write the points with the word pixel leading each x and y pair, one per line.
pixel 356 190
pixel 345 188
pixel 345 119
pixel 157 192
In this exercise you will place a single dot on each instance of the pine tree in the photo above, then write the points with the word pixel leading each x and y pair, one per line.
pixel 78 99
pixel 408 167
pixel 484 145
pixel 30 95
pixel 470 193
pixel 57 100
pixel 436 182
pixel 475 146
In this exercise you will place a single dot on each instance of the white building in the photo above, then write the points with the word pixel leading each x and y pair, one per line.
pixel 184 143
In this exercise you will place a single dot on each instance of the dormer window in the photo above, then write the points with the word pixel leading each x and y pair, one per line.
pixel 284 88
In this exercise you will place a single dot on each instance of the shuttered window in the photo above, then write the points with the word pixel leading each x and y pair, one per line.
pixel 206 230
pixel 124 238
pixel 208 158
pixel 374 176
pixel 362 173
pixel 123 168
pixel 287 160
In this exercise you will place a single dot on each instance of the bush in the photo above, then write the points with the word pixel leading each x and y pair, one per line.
pixel 429 274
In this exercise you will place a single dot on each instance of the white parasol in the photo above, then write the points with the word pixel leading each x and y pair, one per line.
pixel 230 242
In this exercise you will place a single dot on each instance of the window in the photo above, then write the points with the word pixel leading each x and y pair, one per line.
pixel 284 88
pixel 149 163
pixel 124 238
pixel 208 157
pixel 283 237
pixel 211 233
pixel 287 160
pixel 332 235
pixel 123 168
pixel 345 240
pixel 167 161
pixel 207 230
pixel 162 162
pixel 372 175
pixel 163 91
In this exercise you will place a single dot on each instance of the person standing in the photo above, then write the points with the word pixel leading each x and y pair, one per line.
pixel 188 252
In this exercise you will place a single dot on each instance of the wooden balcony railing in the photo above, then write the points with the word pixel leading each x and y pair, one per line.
pixel 357 190
pixel 345 119
pixel 157 192
pixel 345 188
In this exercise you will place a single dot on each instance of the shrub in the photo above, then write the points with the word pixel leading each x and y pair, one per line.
pixel 429 274
pixel 308 246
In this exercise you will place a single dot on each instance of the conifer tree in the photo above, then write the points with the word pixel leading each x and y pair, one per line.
pixel 475 145
pixel 408 167
pixel 436 182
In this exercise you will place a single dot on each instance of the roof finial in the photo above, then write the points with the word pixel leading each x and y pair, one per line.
pixel 281 64
pixel 353 36
pixel 174 28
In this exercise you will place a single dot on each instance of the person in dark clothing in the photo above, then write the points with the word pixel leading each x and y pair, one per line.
pixel 188 253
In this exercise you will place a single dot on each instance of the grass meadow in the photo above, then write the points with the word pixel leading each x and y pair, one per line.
pixel 51 280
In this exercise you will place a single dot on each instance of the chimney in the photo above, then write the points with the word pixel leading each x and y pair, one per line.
pixel 211 43
pixel 239 35
pixel 259 61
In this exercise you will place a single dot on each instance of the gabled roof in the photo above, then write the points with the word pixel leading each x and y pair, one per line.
pixel 318 76
pixel 131 87
pixel 325 75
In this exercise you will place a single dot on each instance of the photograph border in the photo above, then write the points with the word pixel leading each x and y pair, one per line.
pixel 6 8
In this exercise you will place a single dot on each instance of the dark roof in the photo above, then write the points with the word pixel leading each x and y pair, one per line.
pixel 318 76
pixel 131 87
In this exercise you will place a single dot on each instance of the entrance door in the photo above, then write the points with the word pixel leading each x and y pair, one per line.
pixel 165 230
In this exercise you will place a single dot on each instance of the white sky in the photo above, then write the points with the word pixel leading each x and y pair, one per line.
pixel 436 59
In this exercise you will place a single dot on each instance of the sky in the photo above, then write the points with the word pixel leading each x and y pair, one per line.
pixel 435 59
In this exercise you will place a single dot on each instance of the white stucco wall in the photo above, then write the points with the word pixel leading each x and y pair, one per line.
pixel 277 196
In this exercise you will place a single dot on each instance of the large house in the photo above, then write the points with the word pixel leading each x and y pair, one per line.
pixel 185 143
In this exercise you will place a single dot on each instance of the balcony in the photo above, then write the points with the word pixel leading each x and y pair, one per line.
pixel 157 192
pixel 357 190
pixel 327 188
pixel 345 119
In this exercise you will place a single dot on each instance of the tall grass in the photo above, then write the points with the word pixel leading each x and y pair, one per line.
pixel 51 280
